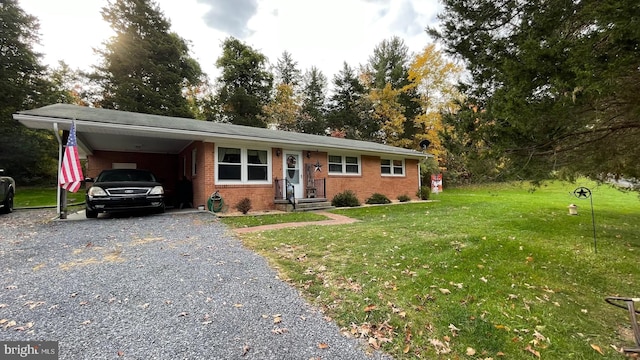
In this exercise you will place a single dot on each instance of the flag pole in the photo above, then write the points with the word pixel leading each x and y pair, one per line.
pixel 58 193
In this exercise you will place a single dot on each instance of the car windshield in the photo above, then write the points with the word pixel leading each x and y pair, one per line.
pixel 125 175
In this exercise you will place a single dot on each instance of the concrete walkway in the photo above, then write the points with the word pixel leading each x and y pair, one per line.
pixel 335 219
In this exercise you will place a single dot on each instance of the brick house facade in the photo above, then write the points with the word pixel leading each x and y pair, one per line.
pixel 236 161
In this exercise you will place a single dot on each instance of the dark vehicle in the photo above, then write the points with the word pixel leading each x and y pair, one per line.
pixel 7 193
pixel 124 190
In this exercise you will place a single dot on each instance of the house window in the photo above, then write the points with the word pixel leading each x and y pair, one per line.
pixel 346 165
pixel 237 165
pixel 391 167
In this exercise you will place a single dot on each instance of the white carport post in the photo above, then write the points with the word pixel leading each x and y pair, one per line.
pixel 58 204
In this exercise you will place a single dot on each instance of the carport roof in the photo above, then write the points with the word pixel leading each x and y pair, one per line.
pixel 114 130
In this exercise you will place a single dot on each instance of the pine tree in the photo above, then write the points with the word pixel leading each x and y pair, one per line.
pixel 245 84
pixel 314 109
pixel 145 67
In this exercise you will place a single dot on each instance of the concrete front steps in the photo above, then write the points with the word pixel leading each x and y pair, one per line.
pixel 313 204
pixel 309 204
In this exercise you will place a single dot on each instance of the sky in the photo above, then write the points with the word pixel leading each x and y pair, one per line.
pixel 321 33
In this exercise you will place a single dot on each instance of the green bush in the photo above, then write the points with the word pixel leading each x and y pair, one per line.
pixel 378 198
pixel 424 193
pixel 404 198
pixel 244 205
pixel 345 199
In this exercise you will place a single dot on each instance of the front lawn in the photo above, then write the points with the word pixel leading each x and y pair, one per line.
pixel 43 196
pixel 499 271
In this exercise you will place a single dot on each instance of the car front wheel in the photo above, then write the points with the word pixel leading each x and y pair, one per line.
pixel 90 214
pixel 8 204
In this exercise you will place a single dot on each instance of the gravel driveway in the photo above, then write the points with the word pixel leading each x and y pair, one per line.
pixel 156 287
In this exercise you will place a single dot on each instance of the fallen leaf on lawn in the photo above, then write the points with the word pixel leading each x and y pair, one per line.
pixel 533 351
pixel 500 353
pixel 529 259
pixel 323 345
pixel 406 349
pixel 597 348
pixel 445 291
pixel 483 279
pixel 584 311
pixel 402 314
pixel 471 351
pixel 369 308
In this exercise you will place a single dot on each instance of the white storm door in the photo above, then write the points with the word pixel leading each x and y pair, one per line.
pixel 293 171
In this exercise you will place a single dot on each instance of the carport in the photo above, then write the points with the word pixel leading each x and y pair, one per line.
pixel 103 132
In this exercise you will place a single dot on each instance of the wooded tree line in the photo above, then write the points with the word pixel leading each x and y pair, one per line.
pixel 549 88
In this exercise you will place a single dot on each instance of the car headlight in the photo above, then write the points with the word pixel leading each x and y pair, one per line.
pixel 157 190
pixel 96 191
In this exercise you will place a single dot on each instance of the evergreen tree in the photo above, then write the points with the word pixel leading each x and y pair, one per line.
pixel 245 84
pixel 389 64
pixel 556 84
pixel 314 110
pixel 287 71
pixel 349 111
pixel 145 68
pixel 30 156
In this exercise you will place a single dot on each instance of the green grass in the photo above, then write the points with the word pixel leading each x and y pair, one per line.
pixel 268 219
pixel 38 197
pixel 500 271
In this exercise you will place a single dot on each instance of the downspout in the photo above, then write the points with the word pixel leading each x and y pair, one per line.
pixel 55 130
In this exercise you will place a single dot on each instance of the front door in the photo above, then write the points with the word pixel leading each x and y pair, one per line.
pixel 293 172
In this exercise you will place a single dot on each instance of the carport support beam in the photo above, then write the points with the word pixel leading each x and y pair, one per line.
pixel 61 196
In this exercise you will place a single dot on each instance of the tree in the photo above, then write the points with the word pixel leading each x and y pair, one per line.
pixel 30 156
pixel 314 108
pixel 284 110
pixel 287 71
pixel 349 110
pixel 389 64
pixel 145 68
pixel 556 84
pixel 434 80
pixel 245 84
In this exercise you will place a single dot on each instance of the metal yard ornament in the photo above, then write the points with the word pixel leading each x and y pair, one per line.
pixel 585 193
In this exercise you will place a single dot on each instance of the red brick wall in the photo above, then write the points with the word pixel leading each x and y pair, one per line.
pixel 164 166
pixel 170 168
pixel 370 180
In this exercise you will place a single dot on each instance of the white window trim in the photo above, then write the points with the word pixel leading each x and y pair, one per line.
pixel 243 166
pixel 344 165
pixel 393 174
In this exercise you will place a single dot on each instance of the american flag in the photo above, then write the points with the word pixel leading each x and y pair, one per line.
pixel 71 172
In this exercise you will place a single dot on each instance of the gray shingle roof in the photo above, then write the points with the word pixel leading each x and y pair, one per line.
pixel 211 130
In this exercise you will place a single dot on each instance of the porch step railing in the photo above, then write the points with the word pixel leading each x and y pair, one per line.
pixel 280 194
